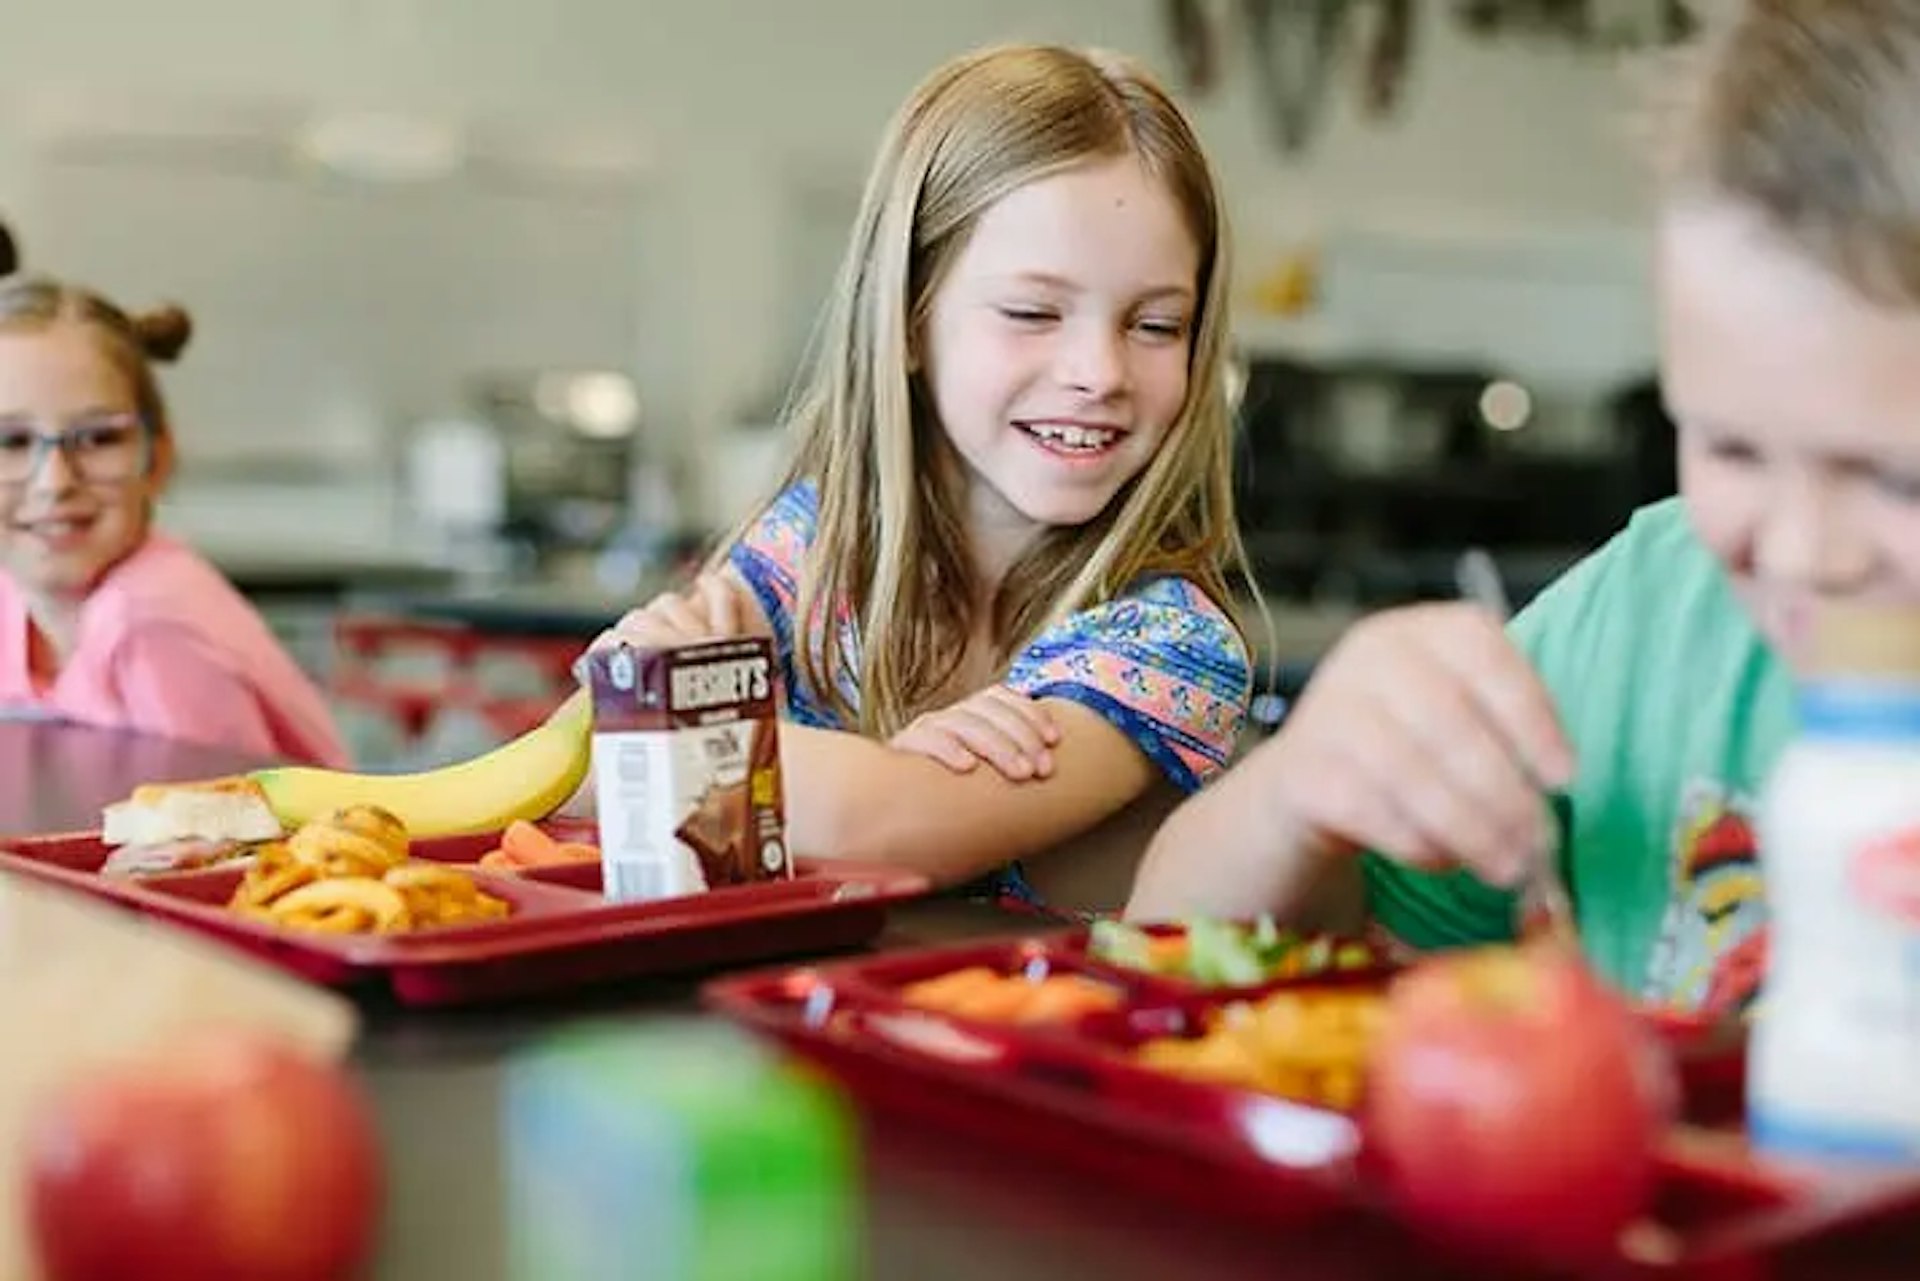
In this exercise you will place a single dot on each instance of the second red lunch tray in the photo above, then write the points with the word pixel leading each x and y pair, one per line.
pixel 1070 1092
pixel 561 933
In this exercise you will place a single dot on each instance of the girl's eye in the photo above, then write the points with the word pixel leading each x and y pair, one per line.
pixel 102 437
pixel 1164 328
pixel 15 441
pixel 1021 315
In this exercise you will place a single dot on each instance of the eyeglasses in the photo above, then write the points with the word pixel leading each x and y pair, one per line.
pixel 103 450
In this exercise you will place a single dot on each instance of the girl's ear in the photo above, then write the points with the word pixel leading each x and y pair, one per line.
pixel 163 462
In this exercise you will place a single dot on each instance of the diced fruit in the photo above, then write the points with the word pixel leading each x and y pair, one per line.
pixel 524 845
pixel 978 992
pixel 527 844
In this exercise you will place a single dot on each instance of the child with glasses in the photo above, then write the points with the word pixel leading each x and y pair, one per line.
pixel 103 620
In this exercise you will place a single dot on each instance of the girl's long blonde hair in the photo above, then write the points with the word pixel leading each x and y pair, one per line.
pixel 890 546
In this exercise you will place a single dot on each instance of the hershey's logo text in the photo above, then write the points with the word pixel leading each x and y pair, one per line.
pixel 736 680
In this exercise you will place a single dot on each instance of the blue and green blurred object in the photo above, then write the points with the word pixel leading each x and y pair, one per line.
pixel 677 1151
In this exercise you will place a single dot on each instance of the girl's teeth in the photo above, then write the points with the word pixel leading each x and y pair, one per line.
pixel 1073 437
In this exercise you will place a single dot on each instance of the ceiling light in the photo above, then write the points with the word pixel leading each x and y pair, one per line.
pixel 384 146
pixel 1505 406
pixel 603 405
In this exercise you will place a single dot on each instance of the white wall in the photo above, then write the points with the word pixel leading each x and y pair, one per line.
pixel 741 104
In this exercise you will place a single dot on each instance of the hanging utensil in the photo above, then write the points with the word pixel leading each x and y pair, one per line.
pixel 1682 21
pixel 1483 17
pixel 1294 43
pixel 1384 72
pixel 1195 50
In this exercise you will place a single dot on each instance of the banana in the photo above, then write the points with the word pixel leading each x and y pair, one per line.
pixel 528 778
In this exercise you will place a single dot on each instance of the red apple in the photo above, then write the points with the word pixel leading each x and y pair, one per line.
pixel 1515 1104
pixel 232 1157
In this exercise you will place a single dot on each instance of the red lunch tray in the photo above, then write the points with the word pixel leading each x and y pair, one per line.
pixel 1071 1092
pixel 561 933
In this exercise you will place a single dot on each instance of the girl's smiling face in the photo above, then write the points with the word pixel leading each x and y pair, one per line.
pixel 1057 347
pixel 86 506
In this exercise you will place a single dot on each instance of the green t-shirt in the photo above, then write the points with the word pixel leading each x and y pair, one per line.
pixel 1677 710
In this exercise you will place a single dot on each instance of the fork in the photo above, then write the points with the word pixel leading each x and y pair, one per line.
pixel 1544 907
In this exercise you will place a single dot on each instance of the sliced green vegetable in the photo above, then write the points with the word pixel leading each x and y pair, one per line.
pixel 1227 954
pixel 1220 954
pixel 1266 934
pixel 1122 944
pixel 1353 956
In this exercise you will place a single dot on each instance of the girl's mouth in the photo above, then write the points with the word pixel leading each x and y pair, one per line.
pixel 1074 440
pixel 56 533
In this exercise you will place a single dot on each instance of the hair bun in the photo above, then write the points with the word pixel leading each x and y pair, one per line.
pixel 9 252
pixel 163 332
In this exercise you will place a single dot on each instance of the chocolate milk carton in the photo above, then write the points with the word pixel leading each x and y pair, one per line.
pixel 686 768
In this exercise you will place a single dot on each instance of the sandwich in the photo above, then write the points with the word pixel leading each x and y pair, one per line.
pixel 178 827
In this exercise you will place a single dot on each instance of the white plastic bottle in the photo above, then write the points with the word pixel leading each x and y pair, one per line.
pixel 1834 1066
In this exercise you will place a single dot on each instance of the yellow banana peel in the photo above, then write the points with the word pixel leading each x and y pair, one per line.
pixel 527 778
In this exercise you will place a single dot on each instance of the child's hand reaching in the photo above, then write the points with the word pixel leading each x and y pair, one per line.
pixel 1425 735
pixel 1007 730
pixel 714 607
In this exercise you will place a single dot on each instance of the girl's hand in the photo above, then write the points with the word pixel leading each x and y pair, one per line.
pixel 1425 735
pixel 1007 730
pixel 714 607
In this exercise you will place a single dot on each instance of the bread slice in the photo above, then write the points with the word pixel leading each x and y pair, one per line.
pixel 222 809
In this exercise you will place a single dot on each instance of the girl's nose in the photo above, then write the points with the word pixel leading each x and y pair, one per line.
pixel 55 474
pixel 1093 361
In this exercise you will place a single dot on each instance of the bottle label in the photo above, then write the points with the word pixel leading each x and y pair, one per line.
pixel 1831 1073
pixel 1885 876
pixel 1781 1130
pixel 1860 710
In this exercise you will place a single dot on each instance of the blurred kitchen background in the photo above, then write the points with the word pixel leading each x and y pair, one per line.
pixel 496 301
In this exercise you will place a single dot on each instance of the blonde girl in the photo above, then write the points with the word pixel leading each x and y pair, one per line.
pixel 1007 531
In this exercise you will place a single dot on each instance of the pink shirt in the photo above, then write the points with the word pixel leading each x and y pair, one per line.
pixel 167 646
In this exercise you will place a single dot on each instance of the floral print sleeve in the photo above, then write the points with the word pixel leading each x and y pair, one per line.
pixel 768 556
pixel 1164 664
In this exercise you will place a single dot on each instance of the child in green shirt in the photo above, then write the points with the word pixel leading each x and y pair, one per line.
pixel 1652 683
